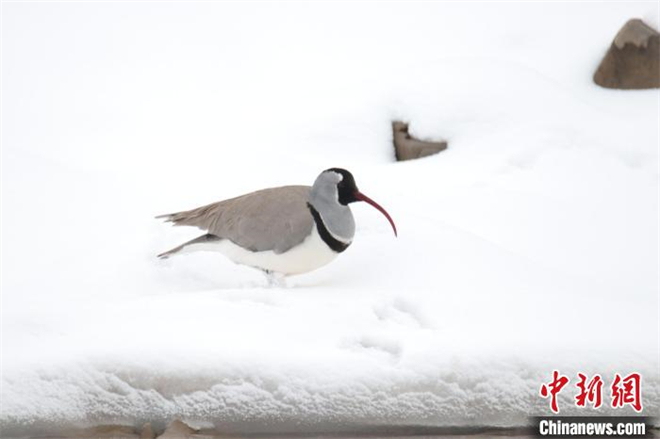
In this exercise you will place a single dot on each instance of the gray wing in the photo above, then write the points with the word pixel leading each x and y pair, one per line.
pixel 270 219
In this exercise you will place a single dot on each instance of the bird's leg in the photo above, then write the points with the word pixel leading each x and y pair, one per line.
pixel 275 280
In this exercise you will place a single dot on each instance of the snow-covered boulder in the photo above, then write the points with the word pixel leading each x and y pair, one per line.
pixel 407 147
pixel 633 59
pixel 177 430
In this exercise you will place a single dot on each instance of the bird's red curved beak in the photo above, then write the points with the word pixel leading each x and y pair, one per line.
pixel 362 197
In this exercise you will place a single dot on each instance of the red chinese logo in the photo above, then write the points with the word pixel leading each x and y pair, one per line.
pixel 627 390
pixel 591 392
pixel 558 382
pixel 624 390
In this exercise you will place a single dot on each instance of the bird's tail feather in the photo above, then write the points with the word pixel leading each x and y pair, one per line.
pixel 166 216
pixel 204 239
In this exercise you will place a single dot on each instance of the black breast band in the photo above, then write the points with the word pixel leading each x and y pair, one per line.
pixel 336 245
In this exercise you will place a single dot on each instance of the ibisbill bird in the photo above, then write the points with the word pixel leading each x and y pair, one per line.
pixel 283 230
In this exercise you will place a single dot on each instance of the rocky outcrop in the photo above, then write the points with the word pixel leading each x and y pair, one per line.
pixel 407 147
pixel 633 59
pixel 177 430
pixel 147 432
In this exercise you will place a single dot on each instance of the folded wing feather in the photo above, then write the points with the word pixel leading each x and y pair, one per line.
pixel 274 219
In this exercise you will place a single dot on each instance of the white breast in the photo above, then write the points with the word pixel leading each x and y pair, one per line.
pixel 309 255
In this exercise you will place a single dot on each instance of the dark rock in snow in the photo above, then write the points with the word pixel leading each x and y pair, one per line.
pixel 147 432
pixel 407 148
pixel 633 59
pixel 105 432
pixel 177 430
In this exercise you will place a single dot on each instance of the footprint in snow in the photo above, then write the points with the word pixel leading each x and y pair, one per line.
pixel 401 311
pixel 376 344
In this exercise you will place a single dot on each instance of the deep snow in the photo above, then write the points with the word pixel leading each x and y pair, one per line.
pixel 530 244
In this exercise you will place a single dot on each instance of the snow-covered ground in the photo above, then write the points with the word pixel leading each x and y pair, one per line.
pixel 531 244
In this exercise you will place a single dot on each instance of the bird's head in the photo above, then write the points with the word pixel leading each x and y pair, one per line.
pixel 338 186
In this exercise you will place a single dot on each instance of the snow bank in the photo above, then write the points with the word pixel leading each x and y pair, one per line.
pixel 529 245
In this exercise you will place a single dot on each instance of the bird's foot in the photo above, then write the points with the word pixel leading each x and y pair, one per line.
pixel 275 280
